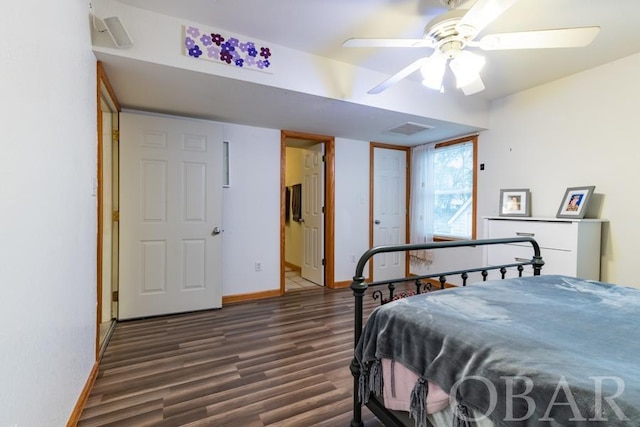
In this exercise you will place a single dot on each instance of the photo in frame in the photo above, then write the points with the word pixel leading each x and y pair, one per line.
pixel 575 201
pixel 515 202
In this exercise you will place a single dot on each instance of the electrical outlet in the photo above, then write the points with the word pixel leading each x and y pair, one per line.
pixel 353 259
pixel 258 266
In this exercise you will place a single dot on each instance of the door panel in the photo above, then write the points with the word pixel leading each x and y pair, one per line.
pixel 389 198
pixel 171 200
pixel 107 215
pixel 313 225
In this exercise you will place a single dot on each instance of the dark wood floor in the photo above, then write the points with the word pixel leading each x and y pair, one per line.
pixel 276 362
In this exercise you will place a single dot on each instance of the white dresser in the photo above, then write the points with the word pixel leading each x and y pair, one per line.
pixel 568 246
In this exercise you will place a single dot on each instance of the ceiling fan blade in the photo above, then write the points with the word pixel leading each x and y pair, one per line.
pixel 388 43
pixel 399 75
pixel 562 37
pixel 480 15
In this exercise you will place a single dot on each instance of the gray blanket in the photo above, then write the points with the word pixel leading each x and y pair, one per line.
pixel 537 351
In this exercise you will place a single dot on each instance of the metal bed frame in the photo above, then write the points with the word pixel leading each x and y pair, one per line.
pixel 360 287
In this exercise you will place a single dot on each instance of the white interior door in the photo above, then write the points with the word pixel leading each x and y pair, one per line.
pixel 115 224
pixel 389 211
pixel 170 215
pixel 107 215
pixel 312 215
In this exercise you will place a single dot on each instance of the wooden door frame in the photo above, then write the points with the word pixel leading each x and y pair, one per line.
pixel 329 203
pixel 102 84
pixel 407 150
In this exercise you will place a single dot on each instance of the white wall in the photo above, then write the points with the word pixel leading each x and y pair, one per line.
pixel 352 205
pixel 251 212
pixel 48 214
pixel 572 132
pixel 252 209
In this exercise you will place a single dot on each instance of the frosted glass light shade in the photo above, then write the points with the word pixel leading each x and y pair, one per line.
pixel 433 71
pixel 466 67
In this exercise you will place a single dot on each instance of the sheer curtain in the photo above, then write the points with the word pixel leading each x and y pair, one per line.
pixel 422 201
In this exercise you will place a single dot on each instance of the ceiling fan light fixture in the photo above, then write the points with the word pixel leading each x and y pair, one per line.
pixel 451 32
pixel 433 71
pixel 466 67
pixel 474 87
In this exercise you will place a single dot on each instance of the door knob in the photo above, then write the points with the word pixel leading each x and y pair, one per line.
pixel 216 230
pixel 376 222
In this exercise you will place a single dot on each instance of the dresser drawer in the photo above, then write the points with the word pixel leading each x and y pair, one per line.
pixel 508 254
pixel 569 247
pixel 548 234
pixel 555 261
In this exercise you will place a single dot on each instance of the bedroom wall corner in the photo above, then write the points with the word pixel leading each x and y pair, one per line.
pixel 576 131
pixel 48 244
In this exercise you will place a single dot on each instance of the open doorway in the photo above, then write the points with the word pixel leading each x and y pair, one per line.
pixel 307 208
pixel 108 218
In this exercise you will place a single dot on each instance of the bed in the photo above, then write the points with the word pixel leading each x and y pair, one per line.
pixel 528 350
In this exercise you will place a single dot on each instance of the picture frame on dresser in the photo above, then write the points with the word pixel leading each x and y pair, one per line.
pixel 575 201
pixel 515 202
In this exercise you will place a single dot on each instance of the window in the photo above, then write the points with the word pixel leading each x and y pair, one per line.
pixel 225 163
pixel 447 182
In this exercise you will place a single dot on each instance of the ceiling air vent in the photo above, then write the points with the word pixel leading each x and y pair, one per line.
pixel 408 129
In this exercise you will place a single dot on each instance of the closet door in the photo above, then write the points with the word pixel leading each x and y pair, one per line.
pixel 170 215
pixel 389 210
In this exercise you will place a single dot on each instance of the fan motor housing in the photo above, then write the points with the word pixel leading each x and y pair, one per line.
pixel 443 31
pixel 451 3
pixel 444 26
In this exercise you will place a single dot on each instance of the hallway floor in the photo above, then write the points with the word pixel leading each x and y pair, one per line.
pixel 293 281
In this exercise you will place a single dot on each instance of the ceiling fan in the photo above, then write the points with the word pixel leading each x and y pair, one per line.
pixel 451 33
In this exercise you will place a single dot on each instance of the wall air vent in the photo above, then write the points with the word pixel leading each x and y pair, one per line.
pixel 408 129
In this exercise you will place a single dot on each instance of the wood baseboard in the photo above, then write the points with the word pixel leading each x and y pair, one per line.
pixel 293 266
pixel 230 299
pixel 347 283
pixel 84 395
pixel 340 285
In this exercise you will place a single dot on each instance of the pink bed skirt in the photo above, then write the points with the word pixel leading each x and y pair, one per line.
pixel 398 383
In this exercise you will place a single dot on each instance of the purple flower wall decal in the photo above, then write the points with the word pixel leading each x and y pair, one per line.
pixel 213 52
pixel 227 47
pixel 195 51
pixel 217 38
pixel 265 52
pixel 193 32
pixel 206 40
pixel 226 56
pixel 228 50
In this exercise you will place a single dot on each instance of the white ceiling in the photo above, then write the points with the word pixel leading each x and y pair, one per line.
pixel 320 26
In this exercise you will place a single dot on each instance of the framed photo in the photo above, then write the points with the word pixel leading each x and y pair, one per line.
pixel 575 201
pixel 516 202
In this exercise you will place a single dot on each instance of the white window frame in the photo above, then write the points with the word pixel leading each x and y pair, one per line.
pixel 473 140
